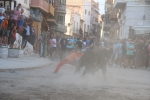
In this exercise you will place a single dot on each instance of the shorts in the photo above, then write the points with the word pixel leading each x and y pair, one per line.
pixel 54 49
pixel 129 57
pixel 7 33
pixel 12 40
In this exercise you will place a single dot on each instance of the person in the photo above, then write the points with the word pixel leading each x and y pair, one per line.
pixel 13 36
pixel 5 25
pixel 33 37
pixel 1 21
pixel 51 46
pixel 63 43
pixel 8 11
pixel 27 30
pixel 129 54
pixel 20 24
pixel 149 55
pixel 91 44
pixel 146 55
pixel 87 41
pixel 140 54
pixel 131 33
pixel 16 15
pixel 23 38
pixel 119 52
pixel 79 45
pixel 54 47
pixel 10 27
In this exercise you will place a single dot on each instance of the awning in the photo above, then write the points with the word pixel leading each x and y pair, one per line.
pixel 142 29
pixel 52 21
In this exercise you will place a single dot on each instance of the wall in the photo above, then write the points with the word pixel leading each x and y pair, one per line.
pixel 37 26
pixel 77 21
pixel 86 15
pixel 67 21
pixel 134 13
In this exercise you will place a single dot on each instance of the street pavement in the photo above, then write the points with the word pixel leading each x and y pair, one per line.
pixel 42 84
pixel 27 62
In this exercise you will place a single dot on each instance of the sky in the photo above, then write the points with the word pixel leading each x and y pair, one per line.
pixel 102 3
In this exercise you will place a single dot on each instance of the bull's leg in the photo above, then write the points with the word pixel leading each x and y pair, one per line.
pixel 104 70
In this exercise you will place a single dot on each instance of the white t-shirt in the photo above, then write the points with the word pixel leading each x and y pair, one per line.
pixel 54 43
pixel 2 17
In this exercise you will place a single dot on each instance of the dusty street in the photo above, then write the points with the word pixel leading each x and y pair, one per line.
pixel 42 84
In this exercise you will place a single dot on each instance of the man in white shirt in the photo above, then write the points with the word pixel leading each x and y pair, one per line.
pixel 1 19
pixel 54 46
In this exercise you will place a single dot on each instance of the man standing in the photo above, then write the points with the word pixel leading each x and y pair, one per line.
pixel 54 46
pixel 131 33
pixel 129 54
pixel 63 43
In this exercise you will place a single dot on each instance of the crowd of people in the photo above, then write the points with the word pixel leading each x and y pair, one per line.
pixel 14 21
pixel 125 52
pixel 129 53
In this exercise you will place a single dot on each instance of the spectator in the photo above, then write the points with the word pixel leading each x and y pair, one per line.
pixel 33 37
pixel 10 27
pixel 16 15
pixel 23 38
pixel 8 12
pixel 54 47
pixel 27 30
pixel 51 46
pixel 20 24
pixel 79 45
pixel 129 54
pixel 13 36
pixel 63 44
pixel 4 27
pixel 1 21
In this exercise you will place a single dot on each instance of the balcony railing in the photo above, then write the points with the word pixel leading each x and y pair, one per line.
pixel 119 3
pixel 113 16
pixel 61 8
pixel 42 4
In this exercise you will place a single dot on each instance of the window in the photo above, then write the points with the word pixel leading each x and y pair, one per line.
pixel 88 28
pixel 77 25
pixel 25 1
pixel 89 13
pixel 60 19
pixel 85 11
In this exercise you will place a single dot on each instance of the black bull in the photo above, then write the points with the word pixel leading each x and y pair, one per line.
pixel 93 61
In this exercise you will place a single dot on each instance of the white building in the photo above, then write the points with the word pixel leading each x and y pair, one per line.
pixel 76 22
pixel 135 13
pixel 87 16
pixel 72 20
pixel 68 22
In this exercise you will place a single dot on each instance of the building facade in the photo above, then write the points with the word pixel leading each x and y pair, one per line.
pixel 60 12
pixel 135 13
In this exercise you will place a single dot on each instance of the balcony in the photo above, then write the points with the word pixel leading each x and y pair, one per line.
pixel 60 28
pixel 41 4
pixel 113 17
pixel 51 9
pixel 106 26
pixel 61 8
pixel 120 4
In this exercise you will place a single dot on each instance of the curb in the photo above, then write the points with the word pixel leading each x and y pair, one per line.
pixel 24 69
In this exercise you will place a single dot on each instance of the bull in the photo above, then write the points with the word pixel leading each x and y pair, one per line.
pixel 91 60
